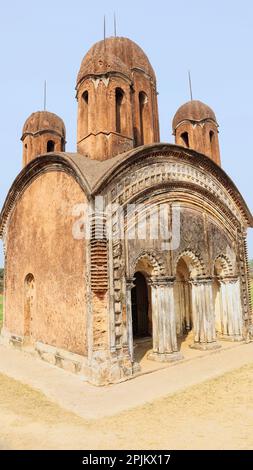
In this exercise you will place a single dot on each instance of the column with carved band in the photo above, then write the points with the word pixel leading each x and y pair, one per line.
pixel 203 314
pixel 129 319
pixel 164 320
pixel 231 309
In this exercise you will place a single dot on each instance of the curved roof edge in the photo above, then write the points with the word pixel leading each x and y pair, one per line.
pixel 50 162
pixel 121 162
pixel 93 175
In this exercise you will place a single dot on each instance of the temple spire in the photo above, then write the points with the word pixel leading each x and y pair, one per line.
pixel 190 84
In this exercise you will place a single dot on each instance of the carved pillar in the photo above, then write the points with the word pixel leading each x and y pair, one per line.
pixel 108 358
pixel 231 309
pixel 179 306
pixel 164 320
pixel 129 320
pixel 245 286
pixel 4 240
pixel 203 315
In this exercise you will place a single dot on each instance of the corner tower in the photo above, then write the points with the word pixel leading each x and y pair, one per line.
pixel 195 126
pixel 43 132
pixel 117 99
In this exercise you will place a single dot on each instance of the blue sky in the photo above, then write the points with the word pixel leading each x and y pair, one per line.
pixel 47 40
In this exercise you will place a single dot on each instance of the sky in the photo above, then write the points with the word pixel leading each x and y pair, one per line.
pixel 47 41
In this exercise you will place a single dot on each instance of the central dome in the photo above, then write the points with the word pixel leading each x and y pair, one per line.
pixel 115 54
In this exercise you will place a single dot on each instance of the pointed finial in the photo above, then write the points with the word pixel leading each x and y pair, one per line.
pixel 45 95
pixel 104 30
pixel 190 84
pixel 115 25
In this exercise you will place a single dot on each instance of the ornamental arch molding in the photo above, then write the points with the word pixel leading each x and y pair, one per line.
pixel 154 261
pixel 160 167
pixel 223 266
pixel 194 263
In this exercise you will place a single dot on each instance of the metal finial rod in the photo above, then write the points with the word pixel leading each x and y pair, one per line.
pixel 45 95
pixel 190 84
pixel 104 30
pixel 115 25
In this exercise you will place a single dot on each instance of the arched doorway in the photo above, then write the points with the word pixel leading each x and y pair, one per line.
pixel 29 304
pixel 140 306
pixel 227 300
pixel 140 301
pixel 151 297
pixel 194 302
pixel 183 303
pixel 189 269
pixel 217 303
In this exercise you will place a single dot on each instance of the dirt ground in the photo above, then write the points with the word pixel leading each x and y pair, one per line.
pixel 217 414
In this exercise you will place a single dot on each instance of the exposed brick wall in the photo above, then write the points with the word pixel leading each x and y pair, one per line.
pixel 36 245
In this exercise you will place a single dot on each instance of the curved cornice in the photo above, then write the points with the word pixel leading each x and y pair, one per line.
pixel 189 192
pixel 94 176
pixel 37 167
pixel 180 154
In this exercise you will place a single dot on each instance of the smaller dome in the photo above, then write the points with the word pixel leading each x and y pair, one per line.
pixel 193 111
pixel 44 121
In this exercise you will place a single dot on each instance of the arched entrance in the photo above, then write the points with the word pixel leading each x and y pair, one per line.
pixel 29 304
pixel 195 309
pixel 183 302
pixel 227 300
pixel 140 306
pixel 217 297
